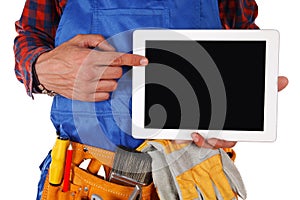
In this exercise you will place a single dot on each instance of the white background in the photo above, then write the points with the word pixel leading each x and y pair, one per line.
pixel 269 169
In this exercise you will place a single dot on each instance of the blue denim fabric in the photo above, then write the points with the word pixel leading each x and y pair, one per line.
pixel 108 123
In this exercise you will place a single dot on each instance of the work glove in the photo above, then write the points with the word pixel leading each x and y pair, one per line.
pixel 188 172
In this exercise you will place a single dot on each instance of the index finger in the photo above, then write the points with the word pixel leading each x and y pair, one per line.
pixel 211 143
pixel 130 60
pixel 109 58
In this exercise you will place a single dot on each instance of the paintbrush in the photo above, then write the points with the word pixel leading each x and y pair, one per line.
pixel 131 168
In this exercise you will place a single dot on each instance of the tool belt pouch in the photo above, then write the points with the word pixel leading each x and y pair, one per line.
pixel 85 182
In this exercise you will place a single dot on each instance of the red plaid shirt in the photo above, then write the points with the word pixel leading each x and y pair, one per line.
pixel 38 23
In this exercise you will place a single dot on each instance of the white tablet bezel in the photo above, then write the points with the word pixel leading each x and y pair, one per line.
pixel 270 109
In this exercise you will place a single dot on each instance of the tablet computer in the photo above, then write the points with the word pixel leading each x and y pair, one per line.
pixel 219 83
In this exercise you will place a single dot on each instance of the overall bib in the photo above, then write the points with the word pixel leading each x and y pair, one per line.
pixel 107 124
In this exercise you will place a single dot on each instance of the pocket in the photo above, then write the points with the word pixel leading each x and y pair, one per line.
pixel 111 22
pixel 119 20
pixel 107 190
pixel 51 192
pixel 84 185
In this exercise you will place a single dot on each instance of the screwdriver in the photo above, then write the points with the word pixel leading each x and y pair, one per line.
pixel 58 156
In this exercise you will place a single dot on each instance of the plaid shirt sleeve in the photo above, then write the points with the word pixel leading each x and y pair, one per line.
pixel 38 23
pixel 238 14
pixel 36 31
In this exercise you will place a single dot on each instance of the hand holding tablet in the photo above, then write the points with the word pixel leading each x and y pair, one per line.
pixel 220 83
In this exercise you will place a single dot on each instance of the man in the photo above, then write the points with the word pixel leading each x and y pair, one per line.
pixel 55 53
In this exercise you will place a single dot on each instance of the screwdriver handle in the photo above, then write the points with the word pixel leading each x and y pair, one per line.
pixel 58 156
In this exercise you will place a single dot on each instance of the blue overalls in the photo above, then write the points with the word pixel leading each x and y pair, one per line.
pixel 108 123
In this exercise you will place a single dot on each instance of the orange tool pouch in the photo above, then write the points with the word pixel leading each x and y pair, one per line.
pixel 85 182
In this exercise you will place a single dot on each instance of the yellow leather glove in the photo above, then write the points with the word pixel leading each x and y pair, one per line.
pixel 185 171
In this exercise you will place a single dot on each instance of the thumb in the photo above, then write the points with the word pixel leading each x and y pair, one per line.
pixel 282 82
pixel 96 41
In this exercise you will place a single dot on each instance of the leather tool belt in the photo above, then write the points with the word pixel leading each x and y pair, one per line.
pixel 85 184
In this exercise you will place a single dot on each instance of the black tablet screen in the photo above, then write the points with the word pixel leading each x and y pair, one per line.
pixel 210 85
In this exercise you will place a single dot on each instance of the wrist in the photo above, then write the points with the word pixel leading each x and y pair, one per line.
pixel 38 87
